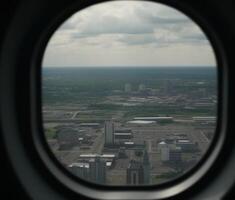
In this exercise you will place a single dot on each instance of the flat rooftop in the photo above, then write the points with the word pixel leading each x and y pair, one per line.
pixel 97 155
pixel 141 122
pixel 79 164
pixel 151 118
pixel 127 133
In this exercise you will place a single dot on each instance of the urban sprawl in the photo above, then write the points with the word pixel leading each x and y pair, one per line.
pixel 130 132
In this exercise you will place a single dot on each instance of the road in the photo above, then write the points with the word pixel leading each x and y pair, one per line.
pixel 74 115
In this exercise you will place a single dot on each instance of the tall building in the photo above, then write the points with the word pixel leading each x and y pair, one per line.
pixel 164 151
pixel 109 133
pixel 94 170
pixel 135 173
pixel 97 170
pixel 146 167
pixel 80 169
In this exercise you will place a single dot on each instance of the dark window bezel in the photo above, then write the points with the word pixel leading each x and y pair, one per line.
pixel 46 159
pixel 185 176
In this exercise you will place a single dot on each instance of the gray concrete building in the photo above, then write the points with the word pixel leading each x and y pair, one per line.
pixel 109 133
pixel 97 170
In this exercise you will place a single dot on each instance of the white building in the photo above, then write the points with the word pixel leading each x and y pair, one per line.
pixel 164 151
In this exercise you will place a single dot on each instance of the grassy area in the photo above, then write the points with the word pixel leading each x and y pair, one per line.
pixel 50 133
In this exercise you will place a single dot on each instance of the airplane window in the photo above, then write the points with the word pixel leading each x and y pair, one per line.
pixel 129 93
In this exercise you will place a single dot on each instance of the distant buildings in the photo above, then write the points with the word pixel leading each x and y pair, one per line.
pixel 170 152
pixel 109 133
pixel 146 167
pixel 186 145
pixel 141 87
pixel 123 134
pixel 127 87
pixel 117 138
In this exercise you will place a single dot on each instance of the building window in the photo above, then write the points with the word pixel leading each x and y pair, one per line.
pixel 129 92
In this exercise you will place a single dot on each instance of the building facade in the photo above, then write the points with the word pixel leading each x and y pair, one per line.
pixel 135 173
pixel 97 172
pixel 146 168
pixel 109 133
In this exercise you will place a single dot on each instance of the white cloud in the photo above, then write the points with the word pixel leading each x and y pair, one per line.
pixel 128 33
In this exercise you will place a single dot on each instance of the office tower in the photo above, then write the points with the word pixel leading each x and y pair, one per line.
pixel 146 168
pixel 80 169
pixel 135 173
pixel 97 170
pixel 109 133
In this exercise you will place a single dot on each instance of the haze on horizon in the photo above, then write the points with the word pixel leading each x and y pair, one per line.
pixel 128 33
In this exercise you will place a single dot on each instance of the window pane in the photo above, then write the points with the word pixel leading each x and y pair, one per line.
pixel 129 93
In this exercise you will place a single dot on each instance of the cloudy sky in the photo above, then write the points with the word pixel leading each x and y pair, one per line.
pixel 128 33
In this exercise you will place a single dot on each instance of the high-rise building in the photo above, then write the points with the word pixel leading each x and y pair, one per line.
pixel 97 170
pixel 135 173
pixel 146 167
pixel 80 169
pixel 164 151
pixel 109 133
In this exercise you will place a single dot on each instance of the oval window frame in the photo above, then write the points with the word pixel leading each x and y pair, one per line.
pixel 164 190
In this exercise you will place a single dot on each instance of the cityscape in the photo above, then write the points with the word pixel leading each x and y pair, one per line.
pixel 129 126
pixel 129 93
